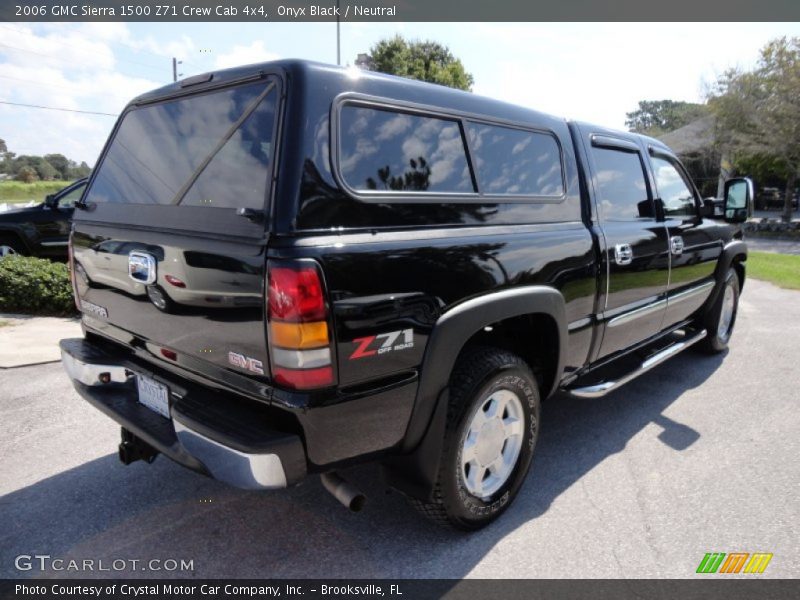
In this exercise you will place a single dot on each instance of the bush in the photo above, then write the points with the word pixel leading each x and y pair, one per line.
pixel 35 286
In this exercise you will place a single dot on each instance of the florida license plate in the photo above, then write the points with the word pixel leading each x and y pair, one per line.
pixel 153 395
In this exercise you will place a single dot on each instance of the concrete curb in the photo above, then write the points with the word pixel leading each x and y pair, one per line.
pixel 27 340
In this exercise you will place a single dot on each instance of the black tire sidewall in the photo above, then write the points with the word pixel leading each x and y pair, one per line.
pixel 469 511
pixel 717 343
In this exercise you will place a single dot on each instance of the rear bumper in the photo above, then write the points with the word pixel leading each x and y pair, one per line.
pixel 208 431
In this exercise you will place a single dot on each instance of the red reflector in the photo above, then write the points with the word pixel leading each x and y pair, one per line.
pixel 171 279
pixel 170 354
pixel 296 295
pixel 303 379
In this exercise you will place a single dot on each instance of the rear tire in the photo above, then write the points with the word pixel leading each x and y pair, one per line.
pixel 160 299
pixel 10 246
pixel 491 432
pixel 721 317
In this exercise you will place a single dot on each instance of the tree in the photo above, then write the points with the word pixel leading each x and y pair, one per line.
pixel 49 166
pixel 6 156
pixel 758 111
pixel 45 170
pixel 27 175
pixel 82 170
pixel 417 178
pixel 60 163
pixel 656 117
pixel 426 61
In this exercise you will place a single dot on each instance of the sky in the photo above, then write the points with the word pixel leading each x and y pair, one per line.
pixel 586 71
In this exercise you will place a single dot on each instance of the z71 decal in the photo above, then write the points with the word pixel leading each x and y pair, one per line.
pixel 382 343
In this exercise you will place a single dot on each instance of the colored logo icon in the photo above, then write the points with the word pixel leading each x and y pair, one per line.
pixel 734 562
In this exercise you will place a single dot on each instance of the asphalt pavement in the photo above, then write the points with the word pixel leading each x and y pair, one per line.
pixel 700 455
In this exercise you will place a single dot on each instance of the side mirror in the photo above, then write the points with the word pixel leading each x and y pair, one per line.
pixel 712 208
pixel 50 201
pixel 738 199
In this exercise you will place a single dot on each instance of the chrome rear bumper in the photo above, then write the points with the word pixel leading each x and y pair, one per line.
pixel 110 385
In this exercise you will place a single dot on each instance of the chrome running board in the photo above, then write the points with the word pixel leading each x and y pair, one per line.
pixel 601 389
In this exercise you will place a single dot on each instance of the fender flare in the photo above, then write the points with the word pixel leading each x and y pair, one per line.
pixel 415 472
pixel 734 250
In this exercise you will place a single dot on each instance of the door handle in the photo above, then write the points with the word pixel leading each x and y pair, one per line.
pixel 676 245
pixel 623 254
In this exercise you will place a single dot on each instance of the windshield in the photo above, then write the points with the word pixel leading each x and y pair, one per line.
pixel 68 199
pixel 212 150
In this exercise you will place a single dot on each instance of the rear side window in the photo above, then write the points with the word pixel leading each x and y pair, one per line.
pixel 392 151
pixel 515 162
pixel 212 150
pixel 622 193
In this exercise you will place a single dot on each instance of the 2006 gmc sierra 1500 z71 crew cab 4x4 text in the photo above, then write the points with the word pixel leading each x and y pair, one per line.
pixel 288 268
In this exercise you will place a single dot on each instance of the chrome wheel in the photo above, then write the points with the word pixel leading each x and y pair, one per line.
pixel 492 443
pixel 727 312
pixel 157 298
pixel 6 250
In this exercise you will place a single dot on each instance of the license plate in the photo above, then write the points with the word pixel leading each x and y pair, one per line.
pixel 153 395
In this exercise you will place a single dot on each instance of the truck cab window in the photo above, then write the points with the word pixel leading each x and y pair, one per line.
pixel 674 191
pixel 621 186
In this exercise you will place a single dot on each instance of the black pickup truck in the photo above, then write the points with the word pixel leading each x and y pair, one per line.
pixel 43 229
pixel 288 268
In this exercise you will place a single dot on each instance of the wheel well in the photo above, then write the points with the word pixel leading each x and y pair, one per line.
pixel 534 338
pixel 11 237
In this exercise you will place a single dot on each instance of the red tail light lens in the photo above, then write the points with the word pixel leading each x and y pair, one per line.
pixel 296 294
pixel 297 314
pixel 303 379
pixel 172 280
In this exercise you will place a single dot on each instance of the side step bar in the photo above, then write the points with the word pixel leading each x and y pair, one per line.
pixel 601 389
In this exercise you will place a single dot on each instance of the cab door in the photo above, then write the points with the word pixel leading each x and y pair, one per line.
pixel 695 245
pixel 636 255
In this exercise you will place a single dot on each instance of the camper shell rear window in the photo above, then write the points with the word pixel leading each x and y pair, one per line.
pixel 212 150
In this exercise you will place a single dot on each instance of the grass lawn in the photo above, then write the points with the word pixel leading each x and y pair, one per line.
pixel 16 191
pixel 781 269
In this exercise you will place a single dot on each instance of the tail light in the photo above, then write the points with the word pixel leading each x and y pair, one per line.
pixel 297 318
pixel 72 275
pixel 172 280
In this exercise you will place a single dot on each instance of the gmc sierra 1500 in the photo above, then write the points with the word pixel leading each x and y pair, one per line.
pixel 289 267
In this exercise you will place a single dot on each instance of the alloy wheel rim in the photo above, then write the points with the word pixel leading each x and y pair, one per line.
pixel 492 443
pixel 157 298
pixel 6 251
pixel 726 314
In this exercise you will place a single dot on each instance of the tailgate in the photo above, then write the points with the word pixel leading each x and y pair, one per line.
pixel 163 257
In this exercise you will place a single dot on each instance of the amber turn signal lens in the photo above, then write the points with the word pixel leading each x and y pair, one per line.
pixel 298 335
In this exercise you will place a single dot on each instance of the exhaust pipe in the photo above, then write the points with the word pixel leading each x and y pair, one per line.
pixel 343 491
pixel 131 449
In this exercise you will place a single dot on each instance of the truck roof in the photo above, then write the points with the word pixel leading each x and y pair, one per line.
pixel 319 76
